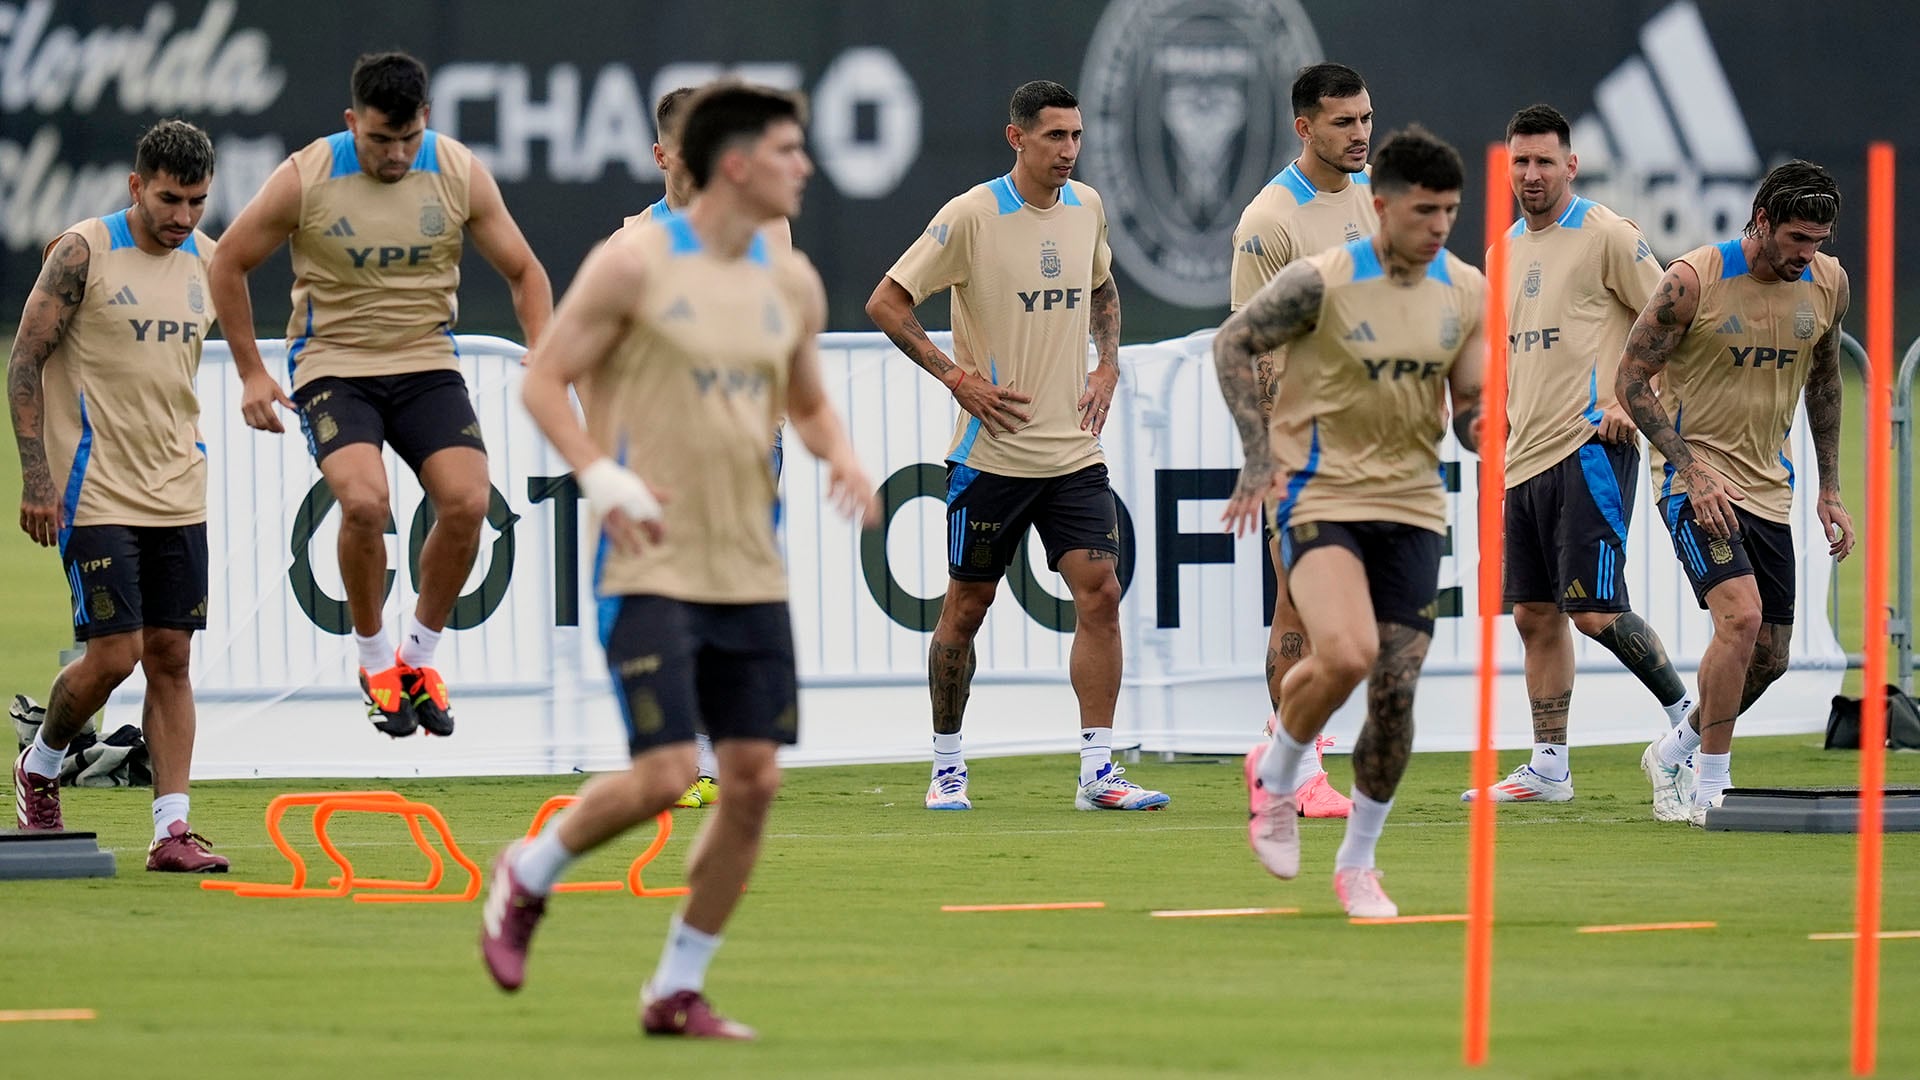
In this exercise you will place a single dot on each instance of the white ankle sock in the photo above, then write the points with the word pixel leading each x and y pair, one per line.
pixel 417 644
pixel 1716 775
pixel 1364 825
pixel 376 652
pixel 1096 753
pixel 1677 712
pixel 168 809
pixel 543 860
pixel 44 760
pixel 1284 767
pixel 703 749
pixel 1677 745
pixel 683 963
pixel 1552 761
pixel 946 753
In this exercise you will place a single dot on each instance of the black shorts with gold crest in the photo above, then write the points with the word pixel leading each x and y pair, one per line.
pixel 680 667
pixel 1402 564
pixel 418 414
pixel 1761 548
pixel 129 577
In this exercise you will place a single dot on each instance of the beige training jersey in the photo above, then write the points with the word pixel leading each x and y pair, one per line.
pixel 122 425
pixel 1022 281
pixel 688 398
pixel 780 239
pixel 1732 383
pixel 1574 290
pixel 1357 425
pixel 376 265
pixel 1290 219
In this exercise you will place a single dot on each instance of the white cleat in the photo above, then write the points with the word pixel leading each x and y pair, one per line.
pixel 1112 791
pixel 1697 812
pixel 1525 785
pixel 1273 821
pixel 1673 785
pixel 1358 888
pixel 948 791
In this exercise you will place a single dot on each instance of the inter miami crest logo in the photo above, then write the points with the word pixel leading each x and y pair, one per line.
pixel 1049 259
pixel 1449 327
pixel 433 219
pixel 196 300
pixel 1803 323
pixel 1531 286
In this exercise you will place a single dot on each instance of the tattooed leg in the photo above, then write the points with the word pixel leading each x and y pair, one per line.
pixel 951 660
pixel 1380 753
pixel 1548 648
pixel 82 687
pixel 1287 638
pixel 1725 663
pixel 1628 637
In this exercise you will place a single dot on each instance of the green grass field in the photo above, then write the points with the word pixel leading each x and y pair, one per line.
pixel 841 955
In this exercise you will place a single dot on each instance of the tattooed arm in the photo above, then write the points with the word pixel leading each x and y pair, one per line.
pixel 1650 344
pixel 1284 310
pixel 1105 318
pixel 1823 420
pixel 43 325
pixel 891 309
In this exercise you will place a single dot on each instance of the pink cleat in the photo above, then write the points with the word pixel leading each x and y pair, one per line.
pixel 1273 824
pixel 1317 799
pixel 687 1013
pixel 507 922
pixel 1358 888
pixel 184 852
pixel 36 798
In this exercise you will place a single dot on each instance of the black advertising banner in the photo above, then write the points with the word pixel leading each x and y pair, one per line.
pixel 1678 108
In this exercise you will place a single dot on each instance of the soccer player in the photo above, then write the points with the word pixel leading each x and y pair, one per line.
pixel 100 386
pixel 701 334
pixel 375 215
pixel 1376 330
pixel 1026 258
pixel 705 790
pixel 1736 332
pixel 1577 276
pixel 1321 199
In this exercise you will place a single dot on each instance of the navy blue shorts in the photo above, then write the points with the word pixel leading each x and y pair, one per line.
pixel 1566 531
pixel 1761 548
pixel 418 414
pixel 680 668
pixel 988 516
pixel 127 577
pixel 1402 564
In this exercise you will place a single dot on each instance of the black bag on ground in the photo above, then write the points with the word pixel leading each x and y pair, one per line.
pixel 1903 722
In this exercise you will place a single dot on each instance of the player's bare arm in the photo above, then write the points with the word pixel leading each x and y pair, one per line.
pixel 1823 421
pixel 586 328
pixel 1466 383
pixel 49 310
pixel 1650 344
pixel 1105 327
pixel 1285 309
pixel 499 240
pixel 891 309
pixel 849 488
pixel 257 233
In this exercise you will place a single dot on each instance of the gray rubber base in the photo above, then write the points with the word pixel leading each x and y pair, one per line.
pixel 1810 810
pixel 25 856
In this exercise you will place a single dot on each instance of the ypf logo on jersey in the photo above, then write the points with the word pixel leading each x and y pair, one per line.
pixel 1188 114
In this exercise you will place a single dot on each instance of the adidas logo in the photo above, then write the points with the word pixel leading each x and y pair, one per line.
pixel 1086 736
pixel 680 310
pixel 1576 591
pixel 1731 326
pixel 1549 752
pixel 939 234
pixel 1363 332
pixel 124 296
pixel 1253 247
pixel 1667 145
pixel 343 227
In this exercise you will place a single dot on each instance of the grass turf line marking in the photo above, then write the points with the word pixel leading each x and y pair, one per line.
pixel 1406 920
pixel 1208 913
pixel 28 1016
pixel 1634 928
pixel 1851 935
pixel 1075 905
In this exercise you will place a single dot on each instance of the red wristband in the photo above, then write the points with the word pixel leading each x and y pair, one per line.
pixel 955 384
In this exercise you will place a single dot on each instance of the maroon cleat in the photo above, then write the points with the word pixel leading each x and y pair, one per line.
pixel 687 1013
pixel 507 921
pixel 36 798
pixel 184 852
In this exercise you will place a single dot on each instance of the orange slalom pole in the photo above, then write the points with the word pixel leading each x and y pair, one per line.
pixel 1873 705
pixel 1492 485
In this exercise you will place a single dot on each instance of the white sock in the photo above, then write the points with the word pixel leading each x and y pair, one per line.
pixel 376 652
pixel 1552 761
pixel 946 753
pixel 703 749
pixel 1677 712
pixel 1716 776
pixel 1096 753
pixel 417 644
pixel 1677 745
pixel 1309 766
pixel 1283 767
pixel 168 809
pixel 44 760
pixel 542 860
pixel 683 964
pixel 1364 824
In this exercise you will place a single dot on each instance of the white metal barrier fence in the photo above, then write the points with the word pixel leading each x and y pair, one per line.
pixel 274 671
